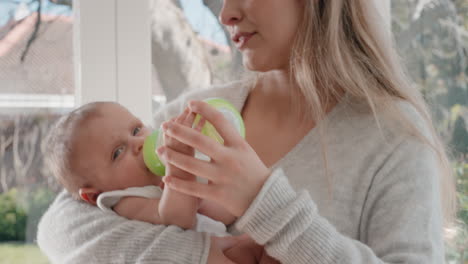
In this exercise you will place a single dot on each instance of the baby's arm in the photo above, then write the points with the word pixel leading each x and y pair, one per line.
pixel 176 208
pixel 216 212
pixel 139 208
pixel 173 208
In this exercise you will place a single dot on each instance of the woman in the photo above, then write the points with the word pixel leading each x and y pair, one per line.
pixel 340 164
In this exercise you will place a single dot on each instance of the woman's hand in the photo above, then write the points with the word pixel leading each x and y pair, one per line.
pixel 235 172
pixel 217 247
pixel 247 251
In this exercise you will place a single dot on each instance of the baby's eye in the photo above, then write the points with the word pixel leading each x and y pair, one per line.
pixel 136 130
pixel 117 153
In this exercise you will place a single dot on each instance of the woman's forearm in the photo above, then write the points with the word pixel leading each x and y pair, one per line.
pixel 283 219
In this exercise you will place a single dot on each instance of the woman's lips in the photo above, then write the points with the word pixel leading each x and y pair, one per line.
pixel 241 39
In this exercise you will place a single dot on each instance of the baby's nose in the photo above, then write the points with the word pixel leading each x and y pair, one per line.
pixel 138 145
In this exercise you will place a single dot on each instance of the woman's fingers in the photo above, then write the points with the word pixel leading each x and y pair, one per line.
pixel 168 140
pixel 225 129
pixel 193 138
pixel 187 163
pixel 196 189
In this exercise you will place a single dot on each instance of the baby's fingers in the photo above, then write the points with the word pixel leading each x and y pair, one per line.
pixel 181 118
pixel 189 118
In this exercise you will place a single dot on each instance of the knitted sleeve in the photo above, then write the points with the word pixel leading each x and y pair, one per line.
pixel 401 221
pixel 75 232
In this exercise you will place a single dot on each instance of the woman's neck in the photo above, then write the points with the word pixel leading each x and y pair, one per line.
pixel 275 84
pixel 272 96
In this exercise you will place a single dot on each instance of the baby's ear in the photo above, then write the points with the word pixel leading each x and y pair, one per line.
pixel 89 195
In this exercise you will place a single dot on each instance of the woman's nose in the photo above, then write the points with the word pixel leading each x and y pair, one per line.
pixel 230 14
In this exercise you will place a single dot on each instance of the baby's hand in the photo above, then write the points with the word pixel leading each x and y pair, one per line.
pixel 186 119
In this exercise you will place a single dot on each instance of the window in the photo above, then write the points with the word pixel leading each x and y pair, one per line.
pixel 432 38
pixel 36 86
pixel 190 49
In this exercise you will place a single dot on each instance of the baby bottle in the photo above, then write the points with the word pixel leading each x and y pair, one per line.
pixel 156 139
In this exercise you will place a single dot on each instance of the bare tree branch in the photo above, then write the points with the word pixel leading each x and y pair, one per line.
pixel 35 32
pixel 177 3
pixel 426 13
pixel 177 54
pixel 215 7
pixel 4 144
pixel 27 149
pixel 63 2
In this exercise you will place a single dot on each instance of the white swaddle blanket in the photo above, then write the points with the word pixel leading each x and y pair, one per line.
pixel 107 200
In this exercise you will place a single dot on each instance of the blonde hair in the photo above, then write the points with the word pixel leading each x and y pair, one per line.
pixel 341 48
pixel 60 144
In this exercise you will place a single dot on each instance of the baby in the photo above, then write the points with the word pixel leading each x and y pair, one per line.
pixel 97 149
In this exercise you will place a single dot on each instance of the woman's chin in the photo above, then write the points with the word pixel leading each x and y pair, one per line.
pixel 257 64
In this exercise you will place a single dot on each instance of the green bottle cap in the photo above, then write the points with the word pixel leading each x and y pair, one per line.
pixel 229 112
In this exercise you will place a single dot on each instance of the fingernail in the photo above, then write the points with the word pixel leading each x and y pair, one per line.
pixel 192 105
pixel 164 125
pixel 160 150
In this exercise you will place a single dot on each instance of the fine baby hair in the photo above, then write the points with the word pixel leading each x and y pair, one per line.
pixel 155 140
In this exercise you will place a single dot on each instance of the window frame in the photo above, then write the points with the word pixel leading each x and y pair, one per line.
pixel 112 54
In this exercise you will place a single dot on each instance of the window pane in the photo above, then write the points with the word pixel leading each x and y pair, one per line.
pixel 432 37
pixel 190 49
pixel 36 86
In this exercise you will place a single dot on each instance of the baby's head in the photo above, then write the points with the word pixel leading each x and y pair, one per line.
pixel 98 148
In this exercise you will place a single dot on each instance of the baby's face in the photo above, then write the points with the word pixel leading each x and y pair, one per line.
pixel 110 148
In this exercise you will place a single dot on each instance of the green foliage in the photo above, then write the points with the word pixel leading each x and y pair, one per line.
pixel 20 212
pixel 432 38
pixel 12 217
pixel 460 136
pixel 461 172
pixel 457 235
pixel 35 201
